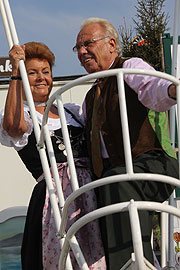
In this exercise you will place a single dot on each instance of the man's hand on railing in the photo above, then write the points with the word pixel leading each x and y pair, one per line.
pixel 172 91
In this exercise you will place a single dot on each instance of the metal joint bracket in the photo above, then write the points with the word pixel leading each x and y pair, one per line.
pixel 40 146
pixel 60 236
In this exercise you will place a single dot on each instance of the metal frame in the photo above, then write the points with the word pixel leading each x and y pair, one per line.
pixel 173 113
pixel 42 136
pixel 130 176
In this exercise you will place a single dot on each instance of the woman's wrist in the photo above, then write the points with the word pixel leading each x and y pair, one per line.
pixel 15 78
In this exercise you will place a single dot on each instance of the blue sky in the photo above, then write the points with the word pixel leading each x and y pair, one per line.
pixel 56 23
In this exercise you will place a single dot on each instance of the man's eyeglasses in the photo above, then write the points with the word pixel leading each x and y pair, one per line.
pixel 87 43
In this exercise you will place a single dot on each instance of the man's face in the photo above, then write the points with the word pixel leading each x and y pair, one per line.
pixel 98 55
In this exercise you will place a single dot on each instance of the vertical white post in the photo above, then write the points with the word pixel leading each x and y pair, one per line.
pixel 172 125
pixel 124 121
pixel 74 181
pixel 6 24
pixel 163 239
pixel 22 68
pixel 136 235
pixel 13 39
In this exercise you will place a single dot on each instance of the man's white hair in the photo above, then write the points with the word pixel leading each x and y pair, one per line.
pixel 109 29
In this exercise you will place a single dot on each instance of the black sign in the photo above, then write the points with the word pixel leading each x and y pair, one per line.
pixel 5 67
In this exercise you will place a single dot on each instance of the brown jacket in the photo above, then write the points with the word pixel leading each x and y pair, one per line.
pixel 142 135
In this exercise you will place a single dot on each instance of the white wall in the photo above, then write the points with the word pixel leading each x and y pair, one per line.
pixel 16 183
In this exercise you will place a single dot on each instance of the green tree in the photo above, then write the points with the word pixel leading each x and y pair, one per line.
pixel 150 24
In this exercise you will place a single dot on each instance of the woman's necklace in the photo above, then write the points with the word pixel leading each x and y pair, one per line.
pixel 37 104
pixel 40 104
pixel 59 141
pixel 61 144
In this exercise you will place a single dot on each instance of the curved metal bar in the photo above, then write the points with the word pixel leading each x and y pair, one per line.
pixel 119 73
pixel 107 210
pixel 109 180
pixel 103 74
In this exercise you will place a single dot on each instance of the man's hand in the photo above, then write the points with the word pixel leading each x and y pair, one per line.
pixel 172 91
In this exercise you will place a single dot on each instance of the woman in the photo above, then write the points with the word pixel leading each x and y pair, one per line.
pixel 40 248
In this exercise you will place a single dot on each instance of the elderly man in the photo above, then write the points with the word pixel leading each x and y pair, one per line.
pixel 147 98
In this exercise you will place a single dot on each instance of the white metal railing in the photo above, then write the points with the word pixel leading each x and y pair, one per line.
pixel 173 113
pixel 12 38
pixel 132 207
pixel 42 137
pixel 130 176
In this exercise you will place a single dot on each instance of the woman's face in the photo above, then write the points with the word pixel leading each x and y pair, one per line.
pixel 40 78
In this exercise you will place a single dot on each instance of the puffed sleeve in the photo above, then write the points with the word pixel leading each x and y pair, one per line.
pixel 76 110
pixel 17 143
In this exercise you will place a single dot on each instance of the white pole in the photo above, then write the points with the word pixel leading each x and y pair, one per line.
pixel 27 90
pixel 74 180
pixel 13 39
pixel 136 235
pixel 163 239
pixel 6 25
pixel 172 126
pixel 124 121
pixel 11 22
pixel 22 68
pixel 175 38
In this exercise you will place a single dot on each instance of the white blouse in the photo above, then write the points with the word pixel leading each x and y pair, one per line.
pixel 53 124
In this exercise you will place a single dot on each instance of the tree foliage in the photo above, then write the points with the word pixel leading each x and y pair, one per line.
pixel 150 24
